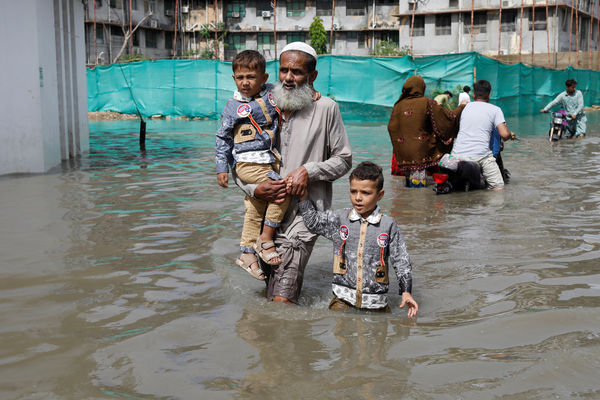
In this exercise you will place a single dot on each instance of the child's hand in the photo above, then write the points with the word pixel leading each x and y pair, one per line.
pixel 413 307
pixel 288 183
pixel 223 179
pixel 316 95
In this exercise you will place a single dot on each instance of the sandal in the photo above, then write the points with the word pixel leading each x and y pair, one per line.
pixel 261 249
pixel 246 261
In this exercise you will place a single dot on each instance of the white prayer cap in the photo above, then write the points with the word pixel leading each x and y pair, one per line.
pixel 300 46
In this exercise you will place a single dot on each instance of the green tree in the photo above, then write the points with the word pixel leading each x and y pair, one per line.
pixel 389 48
pixel 318 36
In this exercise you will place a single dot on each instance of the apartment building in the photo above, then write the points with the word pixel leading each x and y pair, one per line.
pixel 108 21
pixel 267 26
pixel 220 29
pixel 499 26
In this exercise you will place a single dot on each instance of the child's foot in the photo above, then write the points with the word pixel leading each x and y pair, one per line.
pixel 249 263
pixel 267 252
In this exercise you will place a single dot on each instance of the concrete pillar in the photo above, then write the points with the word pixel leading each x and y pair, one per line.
pixel 43 107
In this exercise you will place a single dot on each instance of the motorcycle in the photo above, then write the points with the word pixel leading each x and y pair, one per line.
pixel 456 174
pixel 558 126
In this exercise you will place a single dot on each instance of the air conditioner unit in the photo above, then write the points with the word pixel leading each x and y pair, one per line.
pixel 299 27
pixel 336 27
pixel 169 13
pixel 412 1
pixel 266 14
pixel 185 9
pixel 254 27
pixel 235 14
pixel 153 23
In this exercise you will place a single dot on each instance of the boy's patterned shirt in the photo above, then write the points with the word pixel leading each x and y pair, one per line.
pixel 365 243
pixel 242 110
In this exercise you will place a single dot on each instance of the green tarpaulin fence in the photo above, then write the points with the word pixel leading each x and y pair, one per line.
pixel 364 86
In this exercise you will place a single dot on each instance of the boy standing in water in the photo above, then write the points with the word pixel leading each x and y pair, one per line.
pixel 365 242
pixel 247 142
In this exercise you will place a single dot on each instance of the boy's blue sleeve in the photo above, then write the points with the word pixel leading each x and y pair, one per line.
pixel 224 141
pixel 325 223
pixel 400 260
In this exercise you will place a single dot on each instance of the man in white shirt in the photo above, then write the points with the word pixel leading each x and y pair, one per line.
pixel 464 98
pixel 477 122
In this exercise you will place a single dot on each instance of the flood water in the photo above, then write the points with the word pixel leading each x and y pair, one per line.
pixel 118 280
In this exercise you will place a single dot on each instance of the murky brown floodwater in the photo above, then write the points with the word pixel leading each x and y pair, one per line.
pixel 117 281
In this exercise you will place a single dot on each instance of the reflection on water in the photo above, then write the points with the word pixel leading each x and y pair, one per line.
pixel 118 281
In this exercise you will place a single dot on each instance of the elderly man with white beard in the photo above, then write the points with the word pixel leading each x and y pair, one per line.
pixel 315 151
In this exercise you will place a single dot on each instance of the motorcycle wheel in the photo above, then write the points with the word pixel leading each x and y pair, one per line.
pixel 554 135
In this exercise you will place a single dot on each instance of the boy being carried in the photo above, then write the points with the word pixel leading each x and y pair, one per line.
pixel 365 242
pixel 246 142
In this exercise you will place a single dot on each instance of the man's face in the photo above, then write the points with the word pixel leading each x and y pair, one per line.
pixel 571 89
pixel 292 70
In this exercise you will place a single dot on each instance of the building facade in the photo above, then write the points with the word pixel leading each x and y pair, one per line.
pixel 220 29
pixel 107 23
pixel 499 27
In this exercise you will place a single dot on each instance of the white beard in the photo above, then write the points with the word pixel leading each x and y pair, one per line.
pixel 292 100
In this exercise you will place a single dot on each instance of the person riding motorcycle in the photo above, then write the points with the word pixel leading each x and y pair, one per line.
pixel 571 100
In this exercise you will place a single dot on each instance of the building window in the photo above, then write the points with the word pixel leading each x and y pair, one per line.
pixel 453 3
pixel 237 41
pixel 295 8
pixel 263 5
pixel 99 35
pixel 296 37
pixel 389 36
pixel 236 9
pixel 169 6
pixel 116 4
pixel 509 18
pixel 169 40
pixel 98 3
pixel 479 22
pixel 266 41
pixel 443 24
pixel 358 37
pixel 135 39
pixel 149 6
pixel 197 4
pixel 151 38
pixel 355 7
pixel 116 31
pixel 419 26
pixel 323 8
pixel 540 19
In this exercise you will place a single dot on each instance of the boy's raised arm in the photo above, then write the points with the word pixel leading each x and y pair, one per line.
pixel 324 223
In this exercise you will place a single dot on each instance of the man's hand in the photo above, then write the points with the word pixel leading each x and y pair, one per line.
pixel 271 191
pixel 543 111
pixel 297 181
pixel 413 307
pixel 223 179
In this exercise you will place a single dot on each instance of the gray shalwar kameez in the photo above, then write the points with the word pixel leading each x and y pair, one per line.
pixel 314 137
